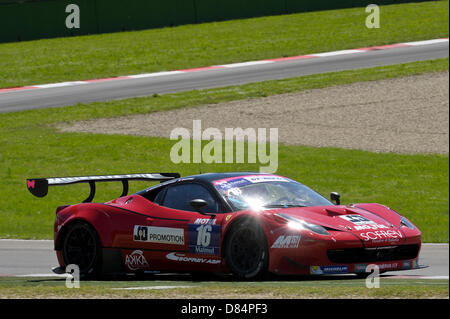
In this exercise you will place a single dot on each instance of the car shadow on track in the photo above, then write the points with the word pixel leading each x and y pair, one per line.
pixel 202 277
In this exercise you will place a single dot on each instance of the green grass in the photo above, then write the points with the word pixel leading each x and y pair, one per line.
pixel 107 55
pixel 299 288
pixel 415 185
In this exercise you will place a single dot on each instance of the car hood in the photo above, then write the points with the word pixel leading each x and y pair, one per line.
pixel 370 227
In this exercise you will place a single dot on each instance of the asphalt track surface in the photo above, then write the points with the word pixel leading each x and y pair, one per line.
pixel 37 257
pixel 246 73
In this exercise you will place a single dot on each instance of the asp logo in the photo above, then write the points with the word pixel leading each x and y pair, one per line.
pixel 183 257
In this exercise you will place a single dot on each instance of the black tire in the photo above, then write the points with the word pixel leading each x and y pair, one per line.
pixel 246 252
pixel 82 247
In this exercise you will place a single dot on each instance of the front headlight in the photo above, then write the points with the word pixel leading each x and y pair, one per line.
pixel 299 224
pixel 407 223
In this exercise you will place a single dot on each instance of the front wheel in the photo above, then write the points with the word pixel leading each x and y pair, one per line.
pixel 82 247
pixel 246 252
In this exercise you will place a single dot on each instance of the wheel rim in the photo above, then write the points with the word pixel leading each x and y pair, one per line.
pixel 246 251
pixel 80 248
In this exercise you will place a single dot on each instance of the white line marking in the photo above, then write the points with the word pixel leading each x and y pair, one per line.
pixel 415 277
pixel 148 75
pixel 238 65
pixel 334 53
pixel 427 42
pixel 60 84
pixel 152 287
pixel 435 277
pixel 42 275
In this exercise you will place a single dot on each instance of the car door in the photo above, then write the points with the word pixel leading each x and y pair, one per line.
pixel 201 232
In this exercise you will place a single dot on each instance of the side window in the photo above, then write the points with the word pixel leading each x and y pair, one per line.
pixel 154 195
pixel 159 197
pixel 179 197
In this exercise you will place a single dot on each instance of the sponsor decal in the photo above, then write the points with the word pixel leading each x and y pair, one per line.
pixel 204 239
pixel 321 270
pixel 360 267
pixel 386 266
pixel 234 182
pixel 265 178
pixel 406 264
pixel 382 236
pixel 226 185
pixel 162 235
pixel 370 227
pixel 30 183
pixel 315 270
pixel 286 242
pixel 183 258
pixel 136 260
pixel 357 219
pixel 233 192
pixel 204 221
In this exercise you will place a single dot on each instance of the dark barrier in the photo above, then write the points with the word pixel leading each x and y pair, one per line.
pixel 30 20
pixel 120 15
pixel 34 19
pixel 216 10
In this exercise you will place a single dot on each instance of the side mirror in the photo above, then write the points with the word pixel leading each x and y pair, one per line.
pixel 198 204
pixel 336 197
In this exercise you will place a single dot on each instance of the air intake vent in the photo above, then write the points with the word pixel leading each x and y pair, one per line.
pixel 364 255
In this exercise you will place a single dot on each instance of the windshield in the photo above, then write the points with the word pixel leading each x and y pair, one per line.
pixel 267 191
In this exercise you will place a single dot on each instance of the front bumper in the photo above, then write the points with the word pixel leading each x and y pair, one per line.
pixel 342 253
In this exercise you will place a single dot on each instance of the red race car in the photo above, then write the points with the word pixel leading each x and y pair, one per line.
pixel 247 224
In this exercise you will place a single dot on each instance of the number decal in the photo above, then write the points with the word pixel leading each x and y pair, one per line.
pixel 204 239
pixel 204 235
pixel 357 219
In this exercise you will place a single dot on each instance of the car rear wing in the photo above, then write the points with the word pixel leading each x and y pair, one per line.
pixel 39 186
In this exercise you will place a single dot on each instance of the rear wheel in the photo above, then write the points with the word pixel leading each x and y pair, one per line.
pixel 81 246
pixel 246 252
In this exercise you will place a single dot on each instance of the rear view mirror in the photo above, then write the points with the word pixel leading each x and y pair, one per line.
pixel 198 204
pixel 336 197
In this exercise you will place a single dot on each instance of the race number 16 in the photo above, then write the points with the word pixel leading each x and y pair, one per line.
pixel 204 235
